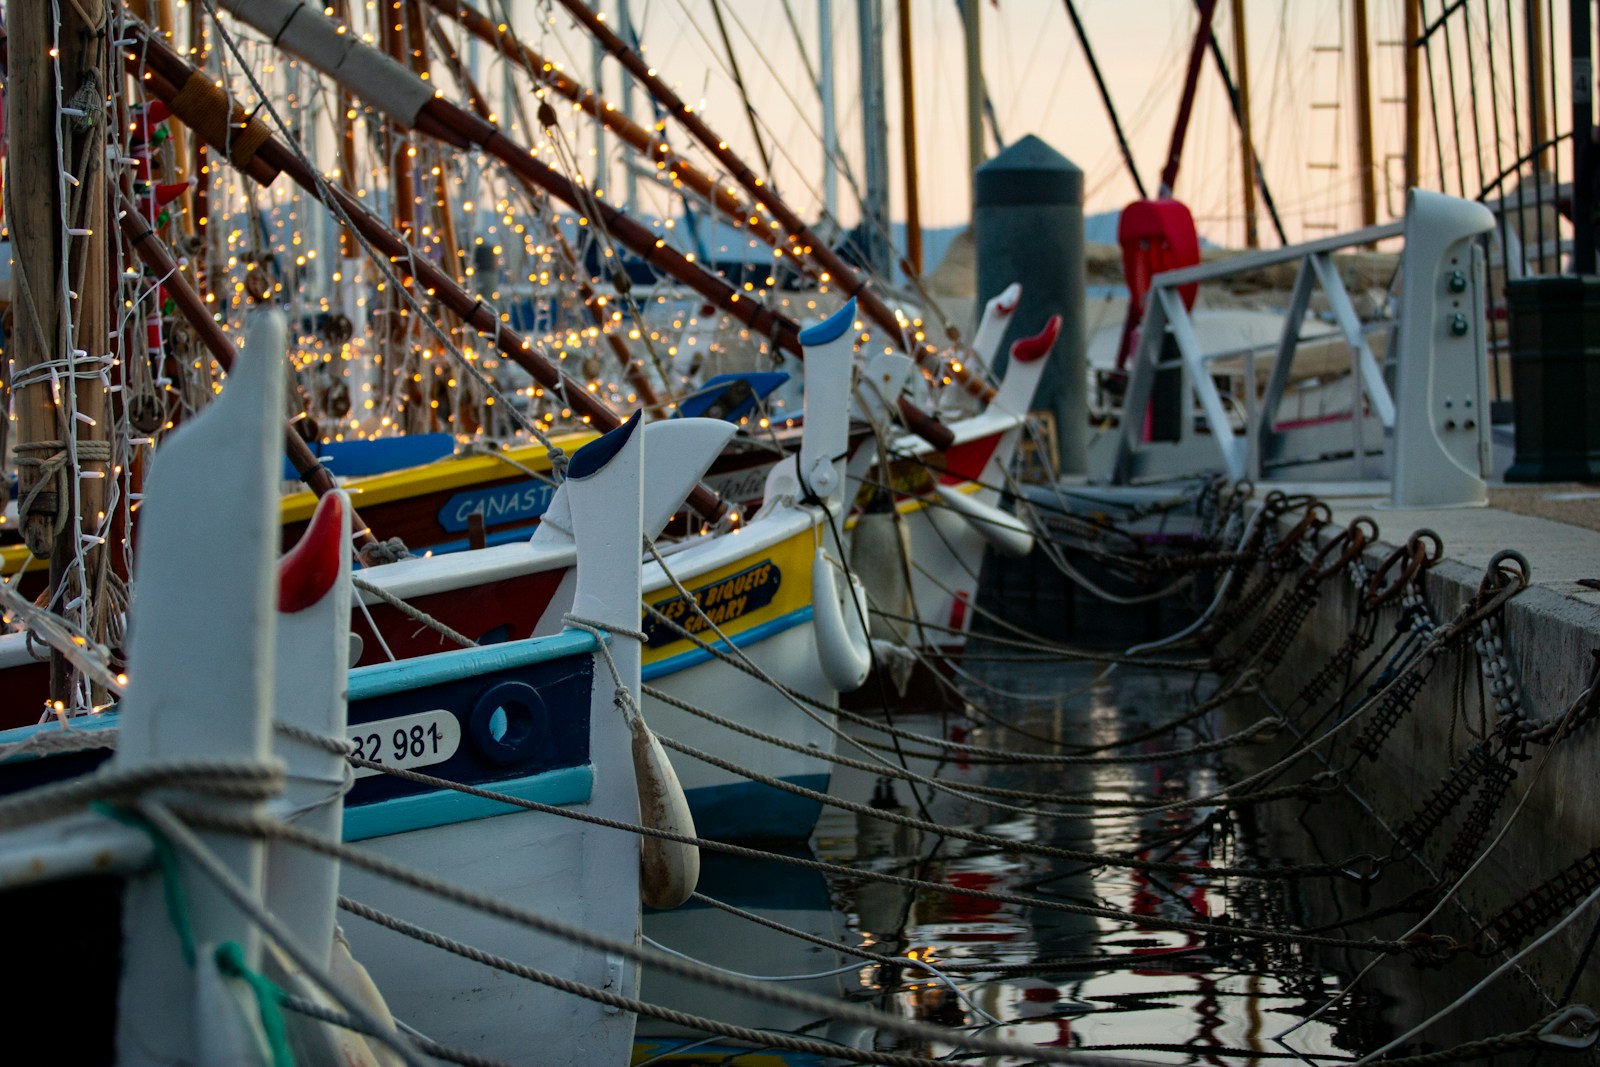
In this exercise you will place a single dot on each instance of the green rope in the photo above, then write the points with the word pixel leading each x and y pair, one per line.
pixel 167 860
pixel 230 961
pixel 229 955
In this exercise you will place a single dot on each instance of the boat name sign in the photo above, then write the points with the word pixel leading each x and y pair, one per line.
pixel 722 601
pixel 518 501
pixel 409 741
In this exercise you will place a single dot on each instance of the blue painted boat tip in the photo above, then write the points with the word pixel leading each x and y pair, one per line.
pixel 830 328
pixel 593 457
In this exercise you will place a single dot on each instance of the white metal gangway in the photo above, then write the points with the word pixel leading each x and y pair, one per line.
pixel 1426 427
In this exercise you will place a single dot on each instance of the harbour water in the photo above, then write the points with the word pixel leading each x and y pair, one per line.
pixel 1053 978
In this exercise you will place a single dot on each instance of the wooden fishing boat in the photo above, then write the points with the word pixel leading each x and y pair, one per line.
pixel 768 587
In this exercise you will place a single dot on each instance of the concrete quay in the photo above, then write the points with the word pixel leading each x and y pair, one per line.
pixel 1550 630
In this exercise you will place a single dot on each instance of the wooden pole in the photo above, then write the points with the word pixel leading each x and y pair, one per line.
pixel 908 144
pixel 62 304
pixel 1413 99
pixel 1247 147
pixel 972 38
pixel 1539 86
pixel 1366 157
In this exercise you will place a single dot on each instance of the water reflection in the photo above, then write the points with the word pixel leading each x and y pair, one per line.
pixel 1049 977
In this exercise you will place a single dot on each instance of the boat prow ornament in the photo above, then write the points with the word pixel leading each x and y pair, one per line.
pixel 829 362
pixel 996 319
pixel 682 450
pixel 1025 369
pixel 603 473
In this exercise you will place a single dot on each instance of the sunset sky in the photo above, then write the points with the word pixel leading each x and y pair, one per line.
pixel 1299 54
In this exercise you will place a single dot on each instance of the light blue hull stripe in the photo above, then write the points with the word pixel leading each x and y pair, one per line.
pixel 755 635
pixel 566 785
pixel 385 679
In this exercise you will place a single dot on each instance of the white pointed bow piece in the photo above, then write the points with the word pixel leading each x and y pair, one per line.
pixel 311 671
pixel 1025 368
pixel 992 327
pixel 679 454
pixel 201 668
pixel 829 356
pixel 604 483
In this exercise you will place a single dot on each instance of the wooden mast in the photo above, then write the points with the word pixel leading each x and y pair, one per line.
pixel 1247 147
pixel 1366 158
pixel 1413 97
pixel 62 302
pixel 908 131
pixel 1538 88
pixel 972 39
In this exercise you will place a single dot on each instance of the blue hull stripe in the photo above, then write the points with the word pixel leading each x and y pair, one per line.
pixel 403 676
pixel 756 634
pixel 567 785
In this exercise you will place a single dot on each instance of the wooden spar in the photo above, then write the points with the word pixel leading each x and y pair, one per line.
pixel 637 137
pixel 1413 90
pixel 448 122
pixel 803 243
pixel 1366 158
pixel 156 256
pixel 908 128
pixel 397 147
pixel 166 67
pixel 1191 81
pixel 637 376
pixel 1247 147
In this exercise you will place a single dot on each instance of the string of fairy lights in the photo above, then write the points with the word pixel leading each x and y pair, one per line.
pixel 368 360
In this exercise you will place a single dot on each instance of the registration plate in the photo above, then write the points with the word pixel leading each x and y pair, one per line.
pixel 409 741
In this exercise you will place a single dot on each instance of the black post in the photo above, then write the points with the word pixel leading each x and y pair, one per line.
pixel 1582 139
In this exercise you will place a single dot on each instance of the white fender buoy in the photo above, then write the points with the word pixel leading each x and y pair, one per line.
pixel 1008 534
pixel 668 870
pixel 353 978
pixel 842 645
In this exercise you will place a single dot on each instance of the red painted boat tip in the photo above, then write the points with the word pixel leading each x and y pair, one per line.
pixel 311 567
pixel 1005 308
pixel 1031 348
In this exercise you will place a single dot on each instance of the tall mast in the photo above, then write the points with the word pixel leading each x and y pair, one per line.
pixel 58 152
pixel 1366 158
pixel 908 129
pixel 875 137
pixel 597 53
pixel 1413 97
pixel 830 125
pixel 629 34
pixel 1247 147
pixel 1538 87
pixel 972 34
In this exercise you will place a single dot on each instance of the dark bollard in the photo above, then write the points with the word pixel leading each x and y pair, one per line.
pixel 1027 220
